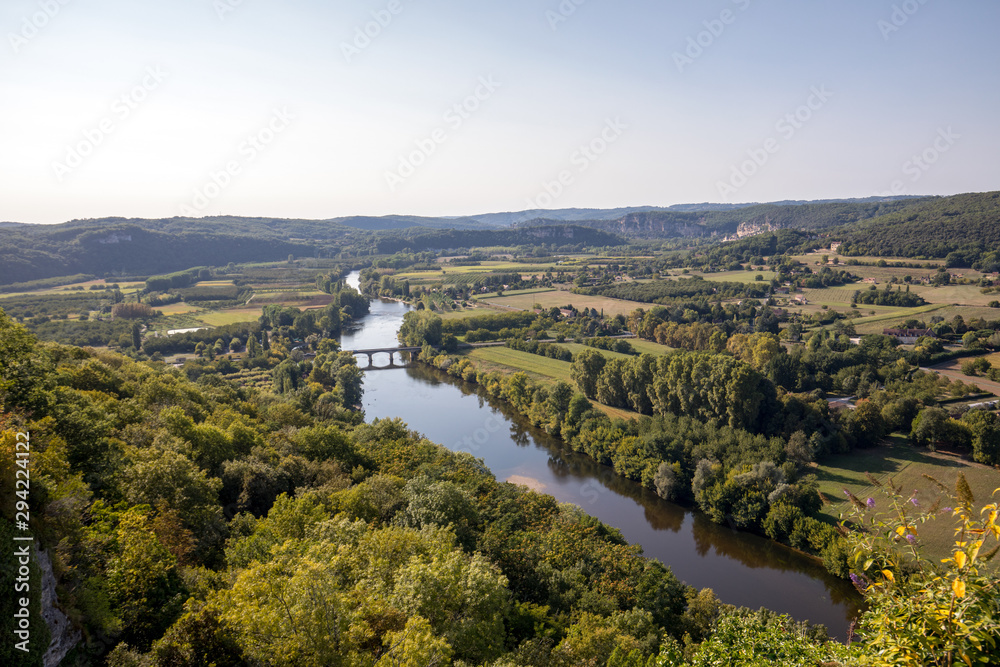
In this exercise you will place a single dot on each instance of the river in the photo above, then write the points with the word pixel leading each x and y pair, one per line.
pixel 743 569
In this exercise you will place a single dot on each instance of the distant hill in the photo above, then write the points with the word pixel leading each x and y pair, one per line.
pixel 135 247
pixel 963 224
pixel 558 216
pixel 964 228
pixel 128 249
pixel 370 223
pixel 743 220
pixel 573 236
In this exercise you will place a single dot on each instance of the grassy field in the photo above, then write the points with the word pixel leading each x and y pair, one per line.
pixel 839 297
pixel 462 313
pixel 877 323
pixel 560 299
pixel 642 346
pixel 906 466
pixel 965 295
pixel 516 292
pixel 649 347
pixel 540 367
pixel 218 318
pixel 735 276
pixel 577 348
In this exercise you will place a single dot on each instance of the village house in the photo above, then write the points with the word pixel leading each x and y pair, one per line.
pixel 908 336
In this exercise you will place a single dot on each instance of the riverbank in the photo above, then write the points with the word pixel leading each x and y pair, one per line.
pixel 742 568
pixel 568 415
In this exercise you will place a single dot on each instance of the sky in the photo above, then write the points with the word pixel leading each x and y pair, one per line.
pixel 313 109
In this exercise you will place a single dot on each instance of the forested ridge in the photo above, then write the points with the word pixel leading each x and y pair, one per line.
pixel 968 225
pixel 130 250
pixel 806 216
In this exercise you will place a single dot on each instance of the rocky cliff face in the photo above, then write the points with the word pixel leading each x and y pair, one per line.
pixel 64 636
pixel 754 227
pixel 659 224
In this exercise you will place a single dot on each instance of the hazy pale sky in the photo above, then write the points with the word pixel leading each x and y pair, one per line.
pixel 302 108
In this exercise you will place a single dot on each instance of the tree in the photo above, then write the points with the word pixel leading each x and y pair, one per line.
pixel 136 335
pixel 142 580
pixel 465 599
pixel 610 389
pixel 586 370
pixel 744 638
pixel 985 427
pixel 930 427
pixel 420 328
pixel 254 350
pixel 286 376
pixel 443 504
pixel 350 379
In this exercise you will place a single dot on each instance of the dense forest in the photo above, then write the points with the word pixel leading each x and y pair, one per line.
pixel 963 228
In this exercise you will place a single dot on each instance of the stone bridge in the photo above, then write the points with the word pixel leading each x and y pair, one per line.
pixel 391 351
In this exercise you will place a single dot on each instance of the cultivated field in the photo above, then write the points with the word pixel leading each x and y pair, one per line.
pixel 560 299
pixel 218 318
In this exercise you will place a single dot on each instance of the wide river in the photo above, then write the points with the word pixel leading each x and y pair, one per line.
pixel 741 568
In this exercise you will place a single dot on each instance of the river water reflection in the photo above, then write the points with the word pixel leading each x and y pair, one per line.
pixel 741 568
